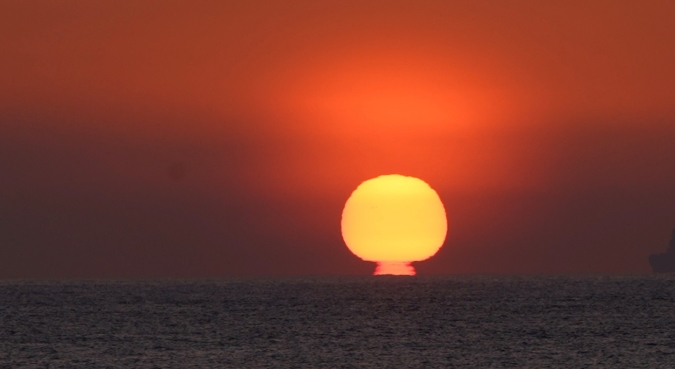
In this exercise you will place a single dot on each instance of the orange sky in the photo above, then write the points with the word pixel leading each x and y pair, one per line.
pixel 547 129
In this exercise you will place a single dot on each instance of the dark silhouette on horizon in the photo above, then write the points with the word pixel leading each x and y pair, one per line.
pixel 664 263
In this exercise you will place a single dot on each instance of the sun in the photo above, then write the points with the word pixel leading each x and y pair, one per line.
pixel 394 220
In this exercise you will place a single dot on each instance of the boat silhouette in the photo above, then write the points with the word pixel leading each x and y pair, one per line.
pixel 664 263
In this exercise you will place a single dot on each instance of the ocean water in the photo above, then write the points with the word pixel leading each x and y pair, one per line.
pixel 336 322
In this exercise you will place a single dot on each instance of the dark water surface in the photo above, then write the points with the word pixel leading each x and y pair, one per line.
pixel 360 322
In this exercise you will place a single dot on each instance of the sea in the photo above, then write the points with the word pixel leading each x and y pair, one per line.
pixel 341 322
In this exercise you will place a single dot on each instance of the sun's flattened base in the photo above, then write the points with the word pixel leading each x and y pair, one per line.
pixel 394 268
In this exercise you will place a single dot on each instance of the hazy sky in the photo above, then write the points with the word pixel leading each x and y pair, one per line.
pixel 208 138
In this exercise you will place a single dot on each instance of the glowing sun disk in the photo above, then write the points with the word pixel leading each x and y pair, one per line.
pixel 394 220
